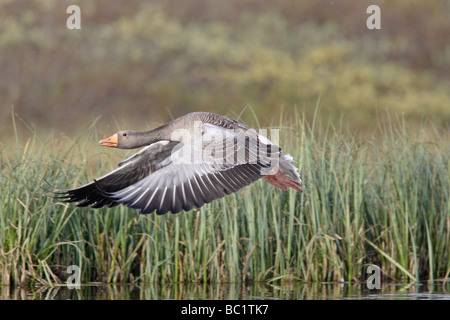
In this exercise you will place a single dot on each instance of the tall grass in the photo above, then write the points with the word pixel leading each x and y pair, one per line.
pixel 383 200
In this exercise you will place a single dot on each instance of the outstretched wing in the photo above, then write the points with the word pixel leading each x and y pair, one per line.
pixel 130 171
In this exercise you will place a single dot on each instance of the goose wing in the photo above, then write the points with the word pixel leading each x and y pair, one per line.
pixel 129 171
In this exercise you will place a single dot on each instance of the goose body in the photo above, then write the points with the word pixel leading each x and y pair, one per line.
pixel 190 161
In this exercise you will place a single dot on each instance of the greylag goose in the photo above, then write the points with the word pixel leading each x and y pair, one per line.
pixel 190 161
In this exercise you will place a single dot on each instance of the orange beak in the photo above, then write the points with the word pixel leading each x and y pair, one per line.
pixel 110 142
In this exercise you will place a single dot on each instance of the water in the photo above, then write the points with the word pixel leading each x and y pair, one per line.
pixel 438 290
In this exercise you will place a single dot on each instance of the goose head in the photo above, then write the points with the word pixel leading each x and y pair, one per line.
pixel 124 139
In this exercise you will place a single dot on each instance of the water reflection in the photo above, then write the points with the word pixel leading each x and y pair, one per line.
pixel 230 291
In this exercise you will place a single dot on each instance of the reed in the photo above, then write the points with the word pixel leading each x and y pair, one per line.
pixel 383 200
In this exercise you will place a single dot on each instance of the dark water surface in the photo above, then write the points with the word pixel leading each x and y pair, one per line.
pixel 438 290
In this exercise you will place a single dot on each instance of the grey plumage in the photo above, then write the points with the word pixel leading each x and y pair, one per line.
pixel 186 163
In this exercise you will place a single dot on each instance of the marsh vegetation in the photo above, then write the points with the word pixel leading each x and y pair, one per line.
pixel 383 201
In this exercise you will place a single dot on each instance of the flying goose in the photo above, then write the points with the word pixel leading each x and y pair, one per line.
pixel 190 161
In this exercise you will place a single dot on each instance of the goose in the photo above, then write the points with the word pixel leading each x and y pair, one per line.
pixel 186 163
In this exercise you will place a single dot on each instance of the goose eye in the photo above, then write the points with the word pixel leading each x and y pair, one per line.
pixel 124 134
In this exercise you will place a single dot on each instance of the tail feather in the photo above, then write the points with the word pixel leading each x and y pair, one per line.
pixel 285 175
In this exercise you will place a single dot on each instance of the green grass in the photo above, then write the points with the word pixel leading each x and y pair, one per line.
pixel 381 200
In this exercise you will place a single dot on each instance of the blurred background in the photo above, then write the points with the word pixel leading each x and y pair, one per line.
pixel 140 63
